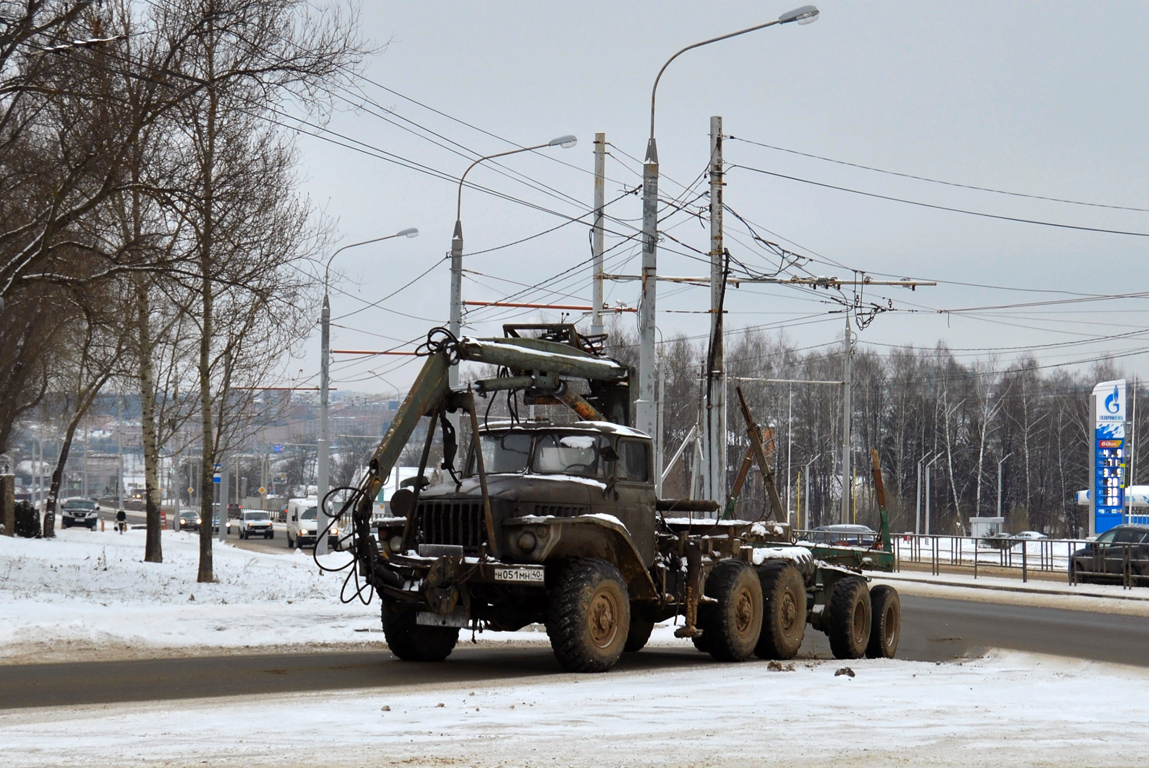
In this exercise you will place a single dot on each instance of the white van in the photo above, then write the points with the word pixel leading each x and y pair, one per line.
pixel 302 516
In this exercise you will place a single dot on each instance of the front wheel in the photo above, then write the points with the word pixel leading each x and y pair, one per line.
pixel 640 629
pixel 411 641
pixel 589 616
pixel 848 620
pixel 886 629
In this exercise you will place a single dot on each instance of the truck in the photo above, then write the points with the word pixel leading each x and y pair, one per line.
pixel 558 523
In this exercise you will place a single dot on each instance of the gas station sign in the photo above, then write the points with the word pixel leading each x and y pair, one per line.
pixel 1108 456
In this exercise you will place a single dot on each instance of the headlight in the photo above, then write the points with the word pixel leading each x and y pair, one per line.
pixel 396 543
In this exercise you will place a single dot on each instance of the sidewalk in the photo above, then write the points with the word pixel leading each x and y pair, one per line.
pixel 1035 585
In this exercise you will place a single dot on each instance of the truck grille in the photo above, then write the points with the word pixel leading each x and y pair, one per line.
pixel 444 521
pixel 560 510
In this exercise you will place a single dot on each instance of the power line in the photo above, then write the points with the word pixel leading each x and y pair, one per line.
pixel 932 206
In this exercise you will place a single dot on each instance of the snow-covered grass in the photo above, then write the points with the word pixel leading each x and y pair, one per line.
pixel 1007 709
pixel 89 594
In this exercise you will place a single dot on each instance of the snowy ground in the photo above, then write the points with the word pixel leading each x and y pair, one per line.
pixel 88 595
pixel 1007 709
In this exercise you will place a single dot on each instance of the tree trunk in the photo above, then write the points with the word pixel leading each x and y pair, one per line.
pixel 153 547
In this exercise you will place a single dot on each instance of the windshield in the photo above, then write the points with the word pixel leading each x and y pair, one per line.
pixel 505 452
pixel 80 504
pixel 1107 537
pixel 309 514
pixel 255 515
pixel 189 514
pixel 557 454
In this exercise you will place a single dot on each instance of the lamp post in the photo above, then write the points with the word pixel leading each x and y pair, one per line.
pixel 1003 458
pixel 645 412
pixel 566 142
pixel 323 447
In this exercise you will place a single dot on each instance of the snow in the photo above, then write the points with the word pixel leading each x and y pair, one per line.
pixel 88 595
pixel 794 554
pixel 889 713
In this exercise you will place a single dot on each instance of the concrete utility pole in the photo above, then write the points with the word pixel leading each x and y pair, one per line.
pixel 918 496
pixel 597 234
pixel 929 473
pixel 1003 458
pixel 645 415
pixel 714 442
pixel 846 408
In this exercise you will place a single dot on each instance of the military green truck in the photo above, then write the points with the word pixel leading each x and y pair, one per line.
pixel 559 524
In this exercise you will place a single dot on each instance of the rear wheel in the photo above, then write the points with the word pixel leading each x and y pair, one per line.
pixel 411 641
pixel 848 620
pixel 733 623
pixel 290 545
pixel 784 612
pixel 886 627
pixel 589 616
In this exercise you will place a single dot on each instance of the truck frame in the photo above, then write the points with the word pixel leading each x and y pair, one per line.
pixel 559 524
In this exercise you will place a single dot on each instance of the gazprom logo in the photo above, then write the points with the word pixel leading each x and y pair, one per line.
pixel 1113 401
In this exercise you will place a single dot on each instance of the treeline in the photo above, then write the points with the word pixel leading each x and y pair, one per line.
pixel 911 404
pixel 153 239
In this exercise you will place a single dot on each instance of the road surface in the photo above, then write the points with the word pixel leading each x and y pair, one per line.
pixel 934 630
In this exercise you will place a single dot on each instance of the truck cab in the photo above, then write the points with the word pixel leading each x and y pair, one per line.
pixel 542 471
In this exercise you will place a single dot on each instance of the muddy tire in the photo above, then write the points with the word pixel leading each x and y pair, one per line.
pixel 783 614
pixel 886 626
pixel 734 622
pixel 639 634
pixel 848 620
pixel 589 616
pixel 415 642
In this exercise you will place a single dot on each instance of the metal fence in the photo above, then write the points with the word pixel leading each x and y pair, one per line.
pixel 1115 563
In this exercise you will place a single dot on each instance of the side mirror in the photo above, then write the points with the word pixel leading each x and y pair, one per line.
pixel 608 453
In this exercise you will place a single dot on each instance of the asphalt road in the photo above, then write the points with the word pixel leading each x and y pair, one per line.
pixel 933 630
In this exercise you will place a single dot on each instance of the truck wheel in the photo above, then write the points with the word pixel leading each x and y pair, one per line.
pixel 886 627
pixel 784 614
pixel 415 642
pixel 848 620
pixel 734 622
pixel 589 616
pixel 288 537
pixel 639 634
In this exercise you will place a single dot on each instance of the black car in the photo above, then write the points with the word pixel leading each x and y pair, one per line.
pixel 79 512
pixel 1106 558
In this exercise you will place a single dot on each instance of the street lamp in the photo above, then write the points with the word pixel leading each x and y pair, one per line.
pixel 644 405
pixel 566 142
pixel 323 448
pixel 929 474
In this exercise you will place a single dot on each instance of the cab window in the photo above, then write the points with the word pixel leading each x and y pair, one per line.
pixel 558 454
pixel 505 453
pixel 633 461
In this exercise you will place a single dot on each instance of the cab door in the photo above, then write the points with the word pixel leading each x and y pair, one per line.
pixel 634 492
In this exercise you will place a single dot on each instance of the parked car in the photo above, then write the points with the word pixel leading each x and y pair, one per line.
pixel 79 512
pixel 1103 559
pixel 254 522
pixel 1029 536
pixel 187 520
pixel 844 535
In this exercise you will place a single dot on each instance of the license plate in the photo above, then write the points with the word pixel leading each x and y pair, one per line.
pixel 522 575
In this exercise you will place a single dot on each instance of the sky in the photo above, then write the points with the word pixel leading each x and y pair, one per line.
pixel 1034 99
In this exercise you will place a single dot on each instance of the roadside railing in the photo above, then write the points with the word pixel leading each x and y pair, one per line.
pixel 973 554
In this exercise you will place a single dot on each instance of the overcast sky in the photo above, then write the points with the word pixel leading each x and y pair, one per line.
pixel 1038 99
